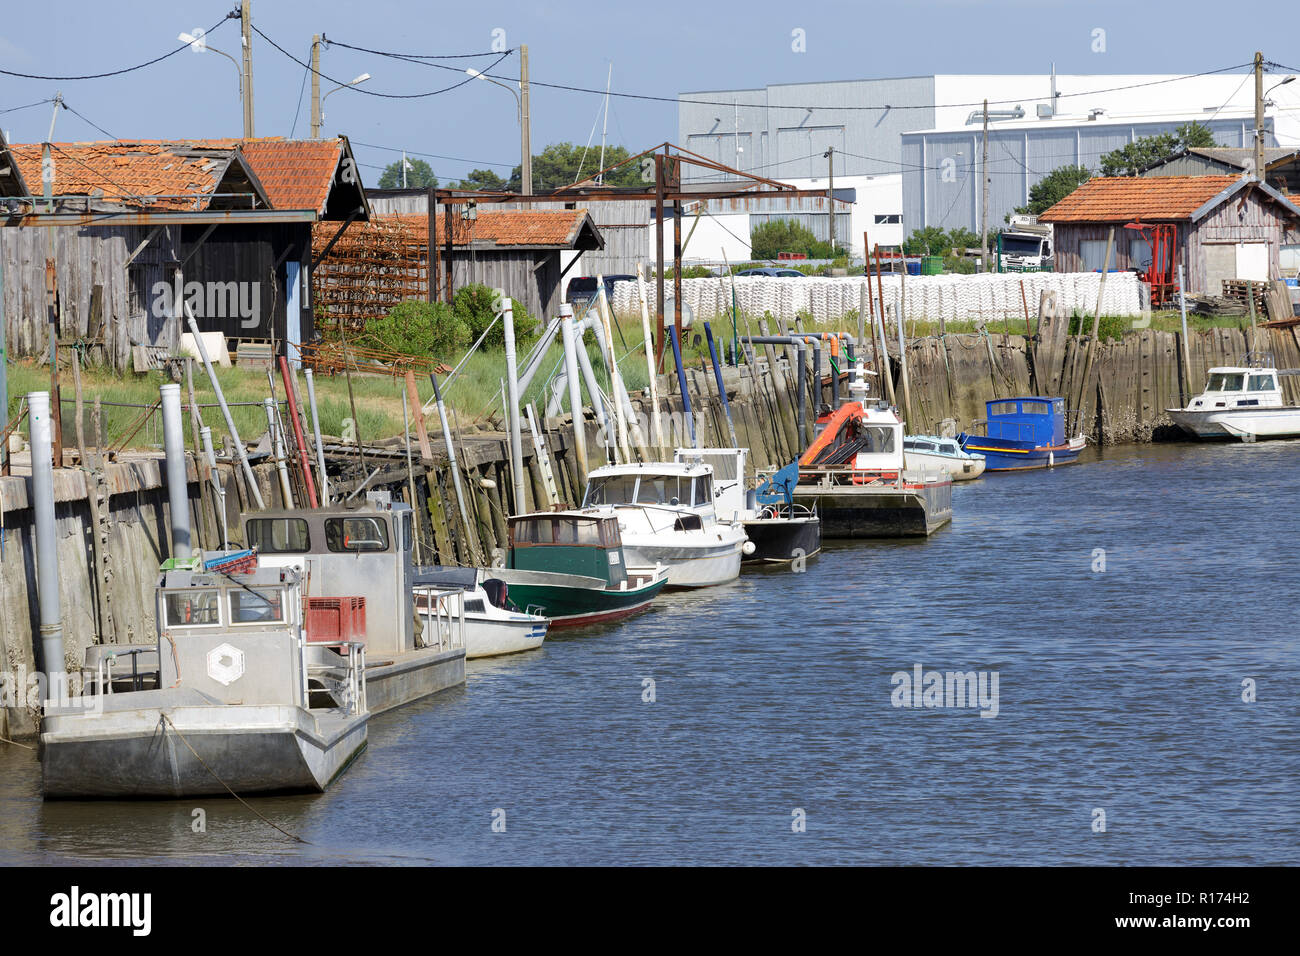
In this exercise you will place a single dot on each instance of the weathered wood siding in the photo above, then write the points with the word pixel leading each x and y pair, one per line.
pixel 530 276
pixel 1247 219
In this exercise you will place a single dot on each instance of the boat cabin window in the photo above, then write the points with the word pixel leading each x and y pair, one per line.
pixel 703 490
pixel 688 522
pixel 1034 408
pixel 558 530
pixel 248 606
pixel 356 534
pixel 193 608
pixel 1262 383
pixel 879 439
pixel 609 534
pixel 663 490
pixel 1226 382
pixel 278 535
pixel 919 445
pixel 1002 408
pixel 474 606
pixel 611 490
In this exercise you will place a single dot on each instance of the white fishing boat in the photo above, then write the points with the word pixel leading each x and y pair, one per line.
pixel 936 453
pixel 666 516
pixel 231 697
pixel 1241 401
pixel 492 626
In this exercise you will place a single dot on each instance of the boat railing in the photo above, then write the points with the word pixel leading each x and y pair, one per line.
pixel 105 676
pixel 1258 360
pixel 352 688
pixel 442 611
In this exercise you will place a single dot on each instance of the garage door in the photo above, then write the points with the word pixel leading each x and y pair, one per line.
pixel 1252 261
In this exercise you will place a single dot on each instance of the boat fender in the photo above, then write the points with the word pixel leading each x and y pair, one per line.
pixel 748 547
pixel 1051 459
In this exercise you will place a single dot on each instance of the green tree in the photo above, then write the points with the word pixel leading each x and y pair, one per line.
pixel 418 176
pixel 484 180
pixel 785 235
pixel 931 240
pixel 1054 187
pixel 561 164
pixel 475 307
pixel 1132 159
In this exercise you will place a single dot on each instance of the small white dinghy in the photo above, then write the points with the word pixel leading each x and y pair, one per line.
pixel 492 627
pixel 1241 401
pixel 935 453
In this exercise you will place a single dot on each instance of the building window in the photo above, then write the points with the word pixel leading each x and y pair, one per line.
pixel 136 290
pixel 889 219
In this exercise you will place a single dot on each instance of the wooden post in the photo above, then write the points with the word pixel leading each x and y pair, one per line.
pixel 417 410
pixel 659 262
pixel 79 408
pixel 447 257
pixel 56 407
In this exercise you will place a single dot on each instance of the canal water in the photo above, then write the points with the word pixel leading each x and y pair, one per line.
pixel 1136 610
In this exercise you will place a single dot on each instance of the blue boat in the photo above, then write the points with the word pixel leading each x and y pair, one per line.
pixel 1022 433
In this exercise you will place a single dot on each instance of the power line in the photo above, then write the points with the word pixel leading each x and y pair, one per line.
pixel 15 109
pixel 361 89
pixel 88 120
pixel 298 109
pixel 454 159
pixel 101 76
pixel 414 56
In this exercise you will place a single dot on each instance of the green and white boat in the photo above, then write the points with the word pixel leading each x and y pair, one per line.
pixel 569 566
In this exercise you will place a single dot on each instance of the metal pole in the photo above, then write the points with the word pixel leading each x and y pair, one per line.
pixel 1259 116
pixel 659 261
pixel 575 388
pixel 512 392
pixel 802 393
pixel 984 202
pixel 320 450
pixel 830 194
pixel 277 449
pixel 1187 355
pixel 178 494
pixel 605 337
pixel 47 554
pixel 525 125
pixel 681 382
pixel 225 410
pixel 410 470
pixel 649 358
pixel 451 456
pixel 902 359
pixel 589 376
pixel 298 438
pixel 722 392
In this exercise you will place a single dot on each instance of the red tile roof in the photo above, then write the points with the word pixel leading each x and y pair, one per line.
pixel 1137 197
pixel 296 174
pixel 504 227
pixel 130 170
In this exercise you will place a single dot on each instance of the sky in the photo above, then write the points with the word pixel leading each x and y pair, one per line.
pixel 659 49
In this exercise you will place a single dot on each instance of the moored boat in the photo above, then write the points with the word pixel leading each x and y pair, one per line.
pixel 942 454
pixel 493 624
pixel 1240 401
pixel 666 517
pixel 855 475
pixel 571 567
pixel 1023 433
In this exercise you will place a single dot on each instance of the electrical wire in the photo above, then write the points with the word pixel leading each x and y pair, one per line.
pixel 15 109
pixel 87 120
pixel 129 69
pixel 411 152
pixel 363 90
pixel 414 56
pixel 297 110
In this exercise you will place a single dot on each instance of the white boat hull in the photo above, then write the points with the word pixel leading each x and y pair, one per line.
pixel 688 566
pixel 958 469
pixel 1243 422
pixel 492 637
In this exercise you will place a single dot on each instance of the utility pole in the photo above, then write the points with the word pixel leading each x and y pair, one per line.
pixel 984 203
pixel 1259 116
pixel 315 86
pixel 525 122
pixel 246 40
pixel 830 194
pixel 609 78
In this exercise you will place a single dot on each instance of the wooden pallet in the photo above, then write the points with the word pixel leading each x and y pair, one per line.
pixel 1239 290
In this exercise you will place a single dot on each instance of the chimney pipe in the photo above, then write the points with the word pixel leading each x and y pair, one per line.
pixel 178 496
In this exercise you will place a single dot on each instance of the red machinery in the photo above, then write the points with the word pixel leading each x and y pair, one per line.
pixel 1159 274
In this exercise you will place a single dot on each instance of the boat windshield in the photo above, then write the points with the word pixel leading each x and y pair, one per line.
pixel 1262 383
pixel 1226 382
pixel 611 490
pixel 879 439
pixel 663 490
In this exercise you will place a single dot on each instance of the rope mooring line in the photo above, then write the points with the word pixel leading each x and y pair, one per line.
pixel 168 721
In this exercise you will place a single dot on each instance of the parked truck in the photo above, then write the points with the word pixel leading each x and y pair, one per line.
pixel 1026 246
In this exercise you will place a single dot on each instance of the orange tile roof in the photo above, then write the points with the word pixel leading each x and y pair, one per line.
pixel 1137 197
pixel 296 174
pixel 517 227
pixel 129 170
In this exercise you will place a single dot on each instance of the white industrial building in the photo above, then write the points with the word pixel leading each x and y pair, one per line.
pixel 783 132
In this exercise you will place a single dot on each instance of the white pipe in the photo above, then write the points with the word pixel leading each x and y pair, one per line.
pixel 47 552
pixel 593 387
pixel 604 336
pixel 225 411
pixel 512 410
pixel 278 451
pixel 650 359
pixel 571 347
pixel 178 496
pixel 205 437
pixel 322 479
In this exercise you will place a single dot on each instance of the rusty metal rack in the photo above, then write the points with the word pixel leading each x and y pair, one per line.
pixel 331 358
pixel 370 269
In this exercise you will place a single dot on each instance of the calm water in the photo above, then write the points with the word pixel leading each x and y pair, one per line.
pixel 1119 691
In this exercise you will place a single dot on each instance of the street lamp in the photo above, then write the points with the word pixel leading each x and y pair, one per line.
pixel 525 155
pixel 355 81
pixel 199 44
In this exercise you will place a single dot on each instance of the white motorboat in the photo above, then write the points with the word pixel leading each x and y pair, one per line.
pixel 935 453
pixel 666 516
pixel 492 626
pixel 1241 401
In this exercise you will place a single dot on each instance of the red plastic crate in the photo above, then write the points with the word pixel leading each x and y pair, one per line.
pixel 331 620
